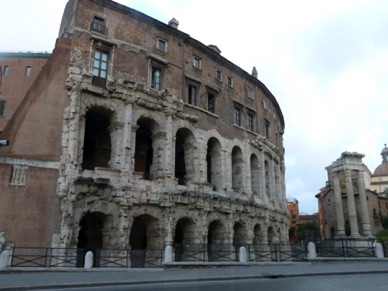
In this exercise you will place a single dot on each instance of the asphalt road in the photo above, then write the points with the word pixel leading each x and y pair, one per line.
pixel 362 282
pixel 310 276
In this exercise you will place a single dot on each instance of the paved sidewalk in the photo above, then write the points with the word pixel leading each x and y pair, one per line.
pixel 30 279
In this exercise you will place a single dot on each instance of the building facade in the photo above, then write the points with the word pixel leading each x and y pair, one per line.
pixel 347 206
pixel 144 137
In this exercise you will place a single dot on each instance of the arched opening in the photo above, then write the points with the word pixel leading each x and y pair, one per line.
pixel 184 236
pixel 255 175
pixel 267 180
pixel 257 239
pixel 144 148
pixel 214 163
pixel 97 141
pixel 215 238
pixel 90 237
pixel 142 236
pixel 270 235
pixel 237 169
pixel 239 234
pixel 184 156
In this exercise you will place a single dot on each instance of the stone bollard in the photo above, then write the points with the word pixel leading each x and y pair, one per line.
pixel 243 255
pixel 88 260
pixel 379 251
pixel 312 253
pixel 168 254
pixel 4 259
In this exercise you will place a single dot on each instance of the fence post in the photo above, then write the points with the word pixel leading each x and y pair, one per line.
pixel 4 259
pixel 312 252
pixel 379 251
pixel 88 260
pixel 243 255
pixel 168 254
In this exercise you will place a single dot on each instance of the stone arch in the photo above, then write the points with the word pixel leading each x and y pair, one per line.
pixel 184 156
pixel 214 163
pixel 90 236
pixel 143 236
pixel 257 235
pixel 97 138
pixel 255 175
pixel 184 231
pixel 239 234
pixel 184 237
pixel 267 177
pixel 144 147
pixel 271 235
pixel 216 232
pixel 237 169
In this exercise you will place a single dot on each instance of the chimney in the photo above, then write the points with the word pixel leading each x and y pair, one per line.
pixel 173 23
pixel 254 72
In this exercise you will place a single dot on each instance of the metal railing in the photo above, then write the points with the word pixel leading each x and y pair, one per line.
pixel 276 252
pixel 96 26
pixel 345 248
pixel 206 252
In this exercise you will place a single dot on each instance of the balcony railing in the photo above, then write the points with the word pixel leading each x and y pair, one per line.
pixel 96 26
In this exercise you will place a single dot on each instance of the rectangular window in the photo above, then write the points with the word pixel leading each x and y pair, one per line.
pixel 211 100
pixel 6 71
pixel 100 68
pixel 264 104
pixel 156 75
pixel 250 93
pixel 229 81
pixel 250 121
pixel 161 45
pixel 218 75
pixel 98 24
pixel 237 116
pixel 197 62
pixel 2 108
pixel 193 95
pixel 28 71
pixel 266 124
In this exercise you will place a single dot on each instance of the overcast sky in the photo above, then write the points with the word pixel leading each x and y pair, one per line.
pixel 326 63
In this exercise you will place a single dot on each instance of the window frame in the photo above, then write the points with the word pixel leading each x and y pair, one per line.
pixel 197 62
pixel 250 93
pixel 251 120
pixel 237 110
pixel 267 125
pixel 98 79
pixel 3 106
pixel 98 25
pixel 160 41
pixel 218 75
pixel 28 71
pixel 229 81
pixel 156 66
pixel 211 101
pixel 192 98
pixel 6 70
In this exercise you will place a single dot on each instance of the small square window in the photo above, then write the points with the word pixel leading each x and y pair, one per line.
pixel 98 24
pixel 161 45
pixel 6 70
pixel 28 71
pixel 250 93
pixel 218 75
pixel 229 81
pixel 197 62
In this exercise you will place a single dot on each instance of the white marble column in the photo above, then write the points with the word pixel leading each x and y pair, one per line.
pixel 363 203
pixel 351 204
pixel 338 207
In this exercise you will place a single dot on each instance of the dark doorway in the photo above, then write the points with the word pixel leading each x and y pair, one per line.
pixel 97 143
pixel 138 242
pixel 90 237
pixel 144 150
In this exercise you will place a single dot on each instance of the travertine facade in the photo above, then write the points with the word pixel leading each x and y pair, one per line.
pixel 163 141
